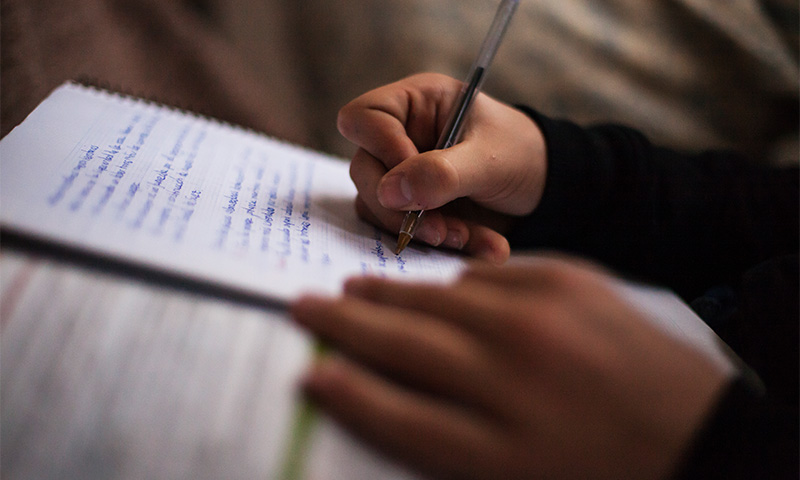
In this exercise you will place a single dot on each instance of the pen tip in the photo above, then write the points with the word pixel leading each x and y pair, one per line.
pixel 402 242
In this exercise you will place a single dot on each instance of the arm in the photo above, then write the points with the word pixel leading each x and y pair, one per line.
pixel 686 221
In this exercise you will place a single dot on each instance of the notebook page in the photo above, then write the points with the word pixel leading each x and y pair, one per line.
pixel 188 195
pixel 106 377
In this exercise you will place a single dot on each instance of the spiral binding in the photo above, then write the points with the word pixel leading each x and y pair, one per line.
pixel 117 90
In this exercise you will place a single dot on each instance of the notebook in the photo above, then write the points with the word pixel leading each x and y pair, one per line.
pixel 172 194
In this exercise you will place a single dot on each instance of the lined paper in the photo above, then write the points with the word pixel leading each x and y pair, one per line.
pixel 176 192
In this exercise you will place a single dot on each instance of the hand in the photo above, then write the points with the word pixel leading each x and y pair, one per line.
pixel 526 371
pixel 499 165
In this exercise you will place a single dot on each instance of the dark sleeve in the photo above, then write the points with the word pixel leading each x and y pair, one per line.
pixel 691 222
pixel 680 220
pixel 746 437
pixel 753 432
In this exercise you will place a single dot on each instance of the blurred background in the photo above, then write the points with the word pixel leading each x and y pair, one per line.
pixel 690 73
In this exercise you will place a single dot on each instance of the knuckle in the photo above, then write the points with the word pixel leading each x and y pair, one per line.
pixel 355 170
pixel 345 120
pixel 559 273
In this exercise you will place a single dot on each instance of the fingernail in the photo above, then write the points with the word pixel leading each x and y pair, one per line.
pixel 323 373
pixel 428 234
pixel 394 192
pixel 454 240
pixel 405 188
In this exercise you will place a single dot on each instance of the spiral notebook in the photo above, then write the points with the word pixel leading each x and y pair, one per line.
pixel 176 196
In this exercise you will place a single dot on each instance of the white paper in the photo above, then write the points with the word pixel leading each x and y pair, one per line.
pixel 192 196
pixel 669 313
pixel 106 377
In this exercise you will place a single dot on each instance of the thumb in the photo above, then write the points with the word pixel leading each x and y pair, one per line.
pixel 428 180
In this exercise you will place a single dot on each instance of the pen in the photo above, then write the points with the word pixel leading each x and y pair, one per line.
pixel 452 130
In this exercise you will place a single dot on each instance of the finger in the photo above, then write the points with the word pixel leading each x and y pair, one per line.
pixel 428 232
pixel 397 120
pixel 366 172
pixel 485 243
pixel 376 122
pixel 384 122
pixel 474 239
pixel 437 437
pixel 422 182
pixel 418 350
pixel 500 316
pixel 547 270
pixel 477 308
pixel 366 214
pixel 434 178
pixel 435 228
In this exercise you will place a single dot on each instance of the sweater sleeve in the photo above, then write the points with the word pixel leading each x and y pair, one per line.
pixel 691 222
pixel 748 436
pixel 684 221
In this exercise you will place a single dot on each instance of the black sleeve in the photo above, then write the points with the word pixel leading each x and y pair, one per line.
pixel 680 220
pixel 691 222
pixel 753 432
pixel 746 437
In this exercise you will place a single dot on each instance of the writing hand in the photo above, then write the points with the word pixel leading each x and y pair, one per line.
pixel 499 166
pixel 525 371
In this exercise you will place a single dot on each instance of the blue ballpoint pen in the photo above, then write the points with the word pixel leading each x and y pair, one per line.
pixel 452 130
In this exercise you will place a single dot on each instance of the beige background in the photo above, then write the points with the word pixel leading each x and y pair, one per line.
pixel 690 73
